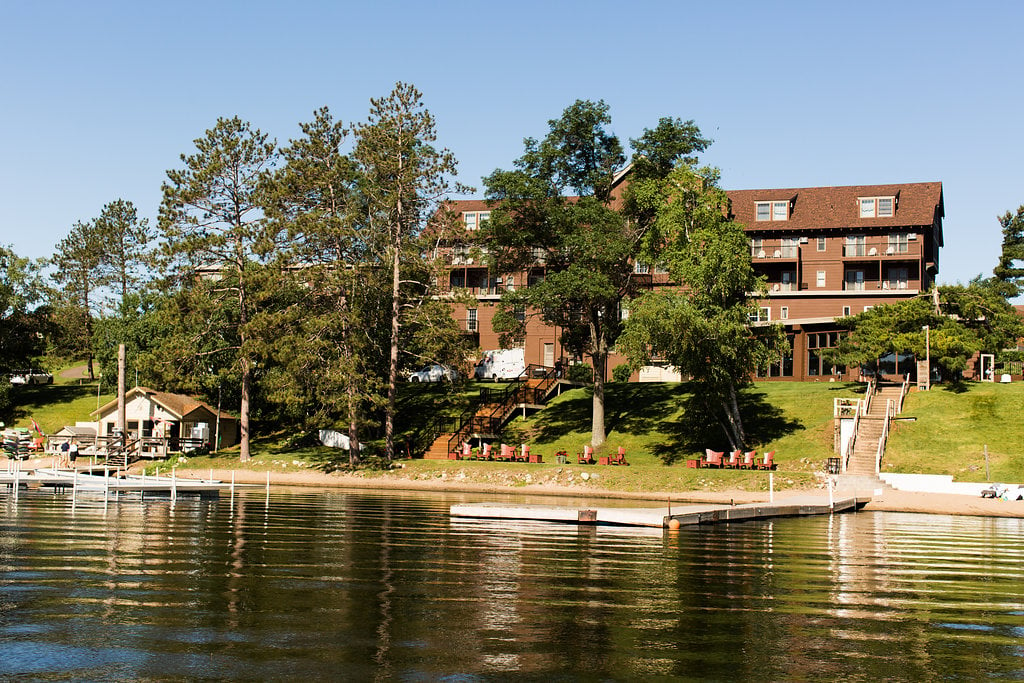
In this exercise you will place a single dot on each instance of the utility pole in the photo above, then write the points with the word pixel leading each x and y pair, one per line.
pixel 120 390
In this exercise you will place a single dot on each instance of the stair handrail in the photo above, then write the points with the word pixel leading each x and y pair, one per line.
pixel 890 407
pixel 505 402
pixel 853 439
pixel 904 390
pixel 869 393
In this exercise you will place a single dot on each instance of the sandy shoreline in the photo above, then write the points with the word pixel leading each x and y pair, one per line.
pixel 888 501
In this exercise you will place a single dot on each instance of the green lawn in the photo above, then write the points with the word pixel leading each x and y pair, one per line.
pixel 951 430
pixel 659 425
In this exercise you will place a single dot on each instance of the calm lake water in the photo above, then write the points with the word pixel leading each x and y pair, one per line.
pixel 356 586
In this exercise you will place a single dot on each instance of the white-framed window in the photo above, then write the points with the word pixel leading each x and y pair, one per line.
pixel 855 280
pixel 471 324
pixel 868 308
pixel 899 243
pixel 821 243
pixel 788 281
pixel 641 268
pixel 820 282
pixel 771 211
pixel 856 245
pixel 877 207
pixel 520 313
pixel 756 247
pixel 898 278
pixel 474 219
pixel 784 313
pixel 846 310
pixel 790 247
pixel 763 315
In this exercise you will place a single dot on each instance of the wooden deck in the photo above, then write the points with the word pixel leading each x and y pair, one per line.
pixel 684 514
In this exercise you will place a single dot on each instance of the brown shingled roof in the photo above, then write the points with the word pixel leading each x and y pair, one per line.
pixel 179 404
pixel 917 204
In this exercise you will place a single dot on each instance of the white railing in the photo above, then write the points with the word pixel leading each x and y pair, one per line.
pixel 904 390
pixel 890 407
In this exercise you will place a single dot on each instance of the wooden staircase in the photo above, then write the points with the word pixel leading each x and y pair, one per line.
pixel 495 409
pixel 870 431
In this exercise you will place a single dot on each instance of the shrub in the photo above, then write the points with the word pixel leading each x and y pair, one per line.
pixel 621 373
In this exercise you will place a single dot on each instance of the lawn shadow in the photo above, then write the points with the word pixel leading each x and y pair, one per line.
pixel 698 428
pixel 630 408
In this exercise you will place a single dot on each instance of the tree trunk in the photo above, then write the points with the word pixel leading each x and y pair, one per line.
pixel 599 359
pixel 389 422
pixel 243 413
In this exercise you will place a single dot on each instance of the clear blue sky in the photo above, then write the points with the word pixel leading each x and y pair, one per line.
pixel 100 99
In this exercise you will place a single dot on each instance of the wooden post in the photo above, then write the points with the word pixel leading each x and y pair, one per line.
pixel 174 483
pixel 121 423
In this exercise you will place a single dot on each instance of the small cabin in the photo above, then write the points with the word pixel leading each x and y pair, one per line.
pixel 181 422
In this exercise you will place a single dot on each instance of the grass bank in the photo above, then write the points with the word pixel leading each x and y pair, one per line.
pixel 660 426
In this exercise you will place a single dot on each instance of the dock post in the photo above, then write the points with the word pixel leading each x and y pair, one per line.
pixel 106 484
pixel 74 489
pixel 831 501
pixel 232 484
pixel 174 483
pixel 268 482
pixel 211 475
pixel 771 487
pixel 17 472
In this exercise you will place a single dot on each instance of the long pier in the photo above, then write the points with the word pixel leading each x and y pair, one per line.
pixel 671 516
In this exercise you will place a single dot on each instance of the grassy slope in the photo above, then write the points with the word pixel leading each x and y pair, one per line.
pixel 794 419
pixel 952 430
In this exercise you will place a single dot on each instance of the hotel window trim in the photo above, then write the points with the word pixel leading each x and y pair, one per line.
pixel 474 219
pixel 471 320
pixel 821 243
pixel 771 211
pixel 899 243
pixel 876 207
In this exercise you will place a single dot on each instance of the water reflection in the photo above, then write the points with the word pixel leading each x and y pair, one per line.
pixel 363 586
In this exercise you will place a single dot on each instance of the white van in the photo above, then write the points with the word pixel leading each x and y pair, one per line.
pixel 501 364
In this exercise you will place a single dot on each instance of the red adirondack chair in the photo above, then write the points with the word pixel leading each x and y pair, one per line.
pixel 769 461
pixel 735 459
pixel 748 460
pixel 713 458
pixel 587 456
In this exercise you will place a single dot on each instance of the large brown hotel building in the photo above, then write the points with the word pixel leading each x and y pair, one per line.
pixel 827 252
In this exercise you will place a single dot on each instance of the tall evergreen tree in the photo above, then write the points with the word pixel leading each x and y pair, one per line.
pixel 76 263
pixel 328 339
pixel 218 244
pixel 1009 272
pixel 126 242
pixel 403 179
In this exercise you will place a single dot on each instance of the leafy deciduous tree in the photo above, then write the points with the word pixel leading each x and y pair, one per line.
pixel 588 242
pixel 703 328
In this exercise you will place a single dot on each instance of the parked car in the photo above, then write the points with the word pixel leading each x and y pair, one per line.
pixel 32 377
pixel 434 373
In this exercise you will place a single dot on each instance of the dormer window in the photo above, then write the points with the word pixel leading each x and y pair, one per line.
pixel 877 207
pixel 474 219
pixel 772 211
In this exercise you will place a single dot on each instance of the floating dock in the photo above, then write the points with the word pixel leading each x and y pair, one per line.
pixel 664 517
pixel 111 482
